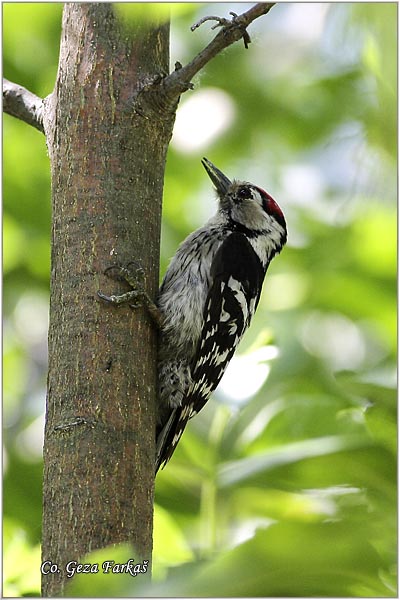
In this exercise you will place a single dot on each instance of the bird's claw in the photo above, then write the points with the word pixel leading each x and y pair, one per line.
pixel 133 274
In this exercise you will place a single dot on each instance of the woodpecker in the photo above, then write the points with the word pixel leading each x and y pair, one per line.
pixel 207 299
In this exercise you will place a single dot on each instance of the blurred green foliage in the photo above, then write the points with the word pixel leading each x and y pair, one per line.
pixel 285 484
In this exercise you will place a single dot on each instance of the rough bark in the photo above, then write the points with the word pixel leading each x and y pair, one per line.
pixel 107 156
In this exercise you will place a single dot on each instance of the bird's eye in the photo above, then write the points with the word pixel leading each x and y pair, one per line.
pixel 244 193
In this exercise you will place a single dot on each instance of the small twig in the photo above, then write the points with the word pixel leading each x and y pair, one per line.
pixel 232 30
pixel 22 104
pixel 221 22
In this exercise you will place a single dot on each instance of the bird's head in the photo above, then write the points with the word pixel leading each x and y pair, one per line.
pixel 247 205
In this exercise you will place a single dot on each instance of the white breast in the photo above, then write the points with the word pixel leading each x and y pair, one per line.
pixel 185 287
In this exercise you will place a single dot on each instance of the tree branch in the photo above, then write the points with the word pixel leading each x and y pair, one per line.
pixel 22 104
pixel 231 31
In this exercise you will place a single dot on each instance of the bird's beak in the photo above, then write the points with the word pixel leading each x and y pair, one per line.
pixel 221 182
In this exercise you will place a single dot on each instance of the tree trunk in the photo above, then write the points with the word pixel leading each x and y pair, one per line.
pixel 108 123
pixel 108 153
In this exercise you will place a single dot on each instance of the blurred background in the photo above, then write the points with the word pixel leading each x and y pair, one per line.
pixel 285 484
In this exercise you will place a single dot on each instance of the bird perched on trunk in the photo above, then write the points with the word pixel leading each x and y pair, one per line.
pixel 208 297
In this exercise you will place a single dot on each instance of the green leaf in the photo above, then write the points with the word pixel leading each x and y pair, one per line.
pixel 110 572
pixel 286 560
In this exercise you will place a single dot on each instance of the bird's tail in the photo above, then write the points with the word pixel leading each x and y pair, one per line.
pixel 169 434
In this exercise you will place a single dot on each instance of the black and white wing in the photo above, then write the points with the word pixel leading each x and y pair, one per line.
pixel 236 281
